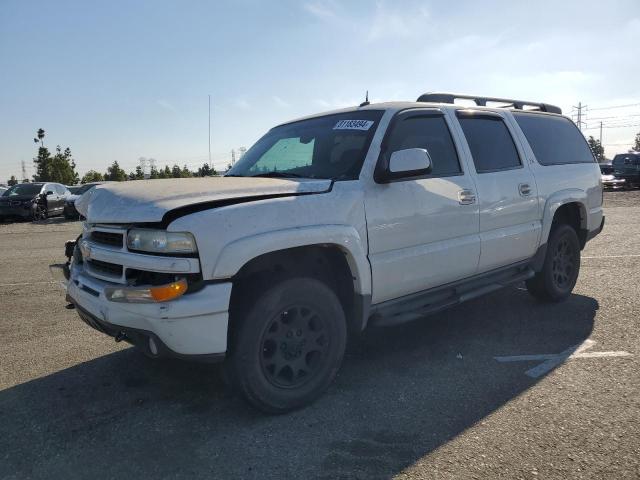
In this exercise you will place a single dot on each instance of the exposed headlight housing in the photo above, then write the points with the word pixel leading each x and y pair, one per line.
pixel 160 241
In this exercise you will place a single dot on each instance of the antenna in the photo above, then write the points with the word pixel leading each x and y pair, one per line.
pixel 366 100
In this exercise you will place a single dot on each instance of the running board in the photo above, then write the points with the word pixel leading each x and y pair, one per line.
pixel 419 305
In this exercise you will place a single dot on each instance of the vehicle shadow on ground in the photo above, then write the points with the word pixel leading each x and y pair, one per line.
pixel 402 393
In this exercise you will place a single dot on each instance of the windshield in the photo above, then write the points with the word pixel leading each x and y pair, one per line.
pixel 332 147
pixel 23 189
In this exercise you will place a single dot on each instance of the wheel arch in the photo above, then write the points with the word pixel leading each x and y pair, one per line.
pixel 334 254
pixel 567 206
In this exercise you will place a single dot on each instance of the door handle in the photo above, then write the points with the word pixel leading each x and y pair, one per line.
pixel 524 189
pixel 466 197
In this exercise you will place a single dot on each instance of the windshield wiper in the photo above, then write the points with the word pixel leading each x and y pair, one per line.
pixel 279 175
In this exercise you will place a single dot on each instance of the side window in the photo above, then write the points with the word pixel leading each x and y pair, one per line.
pixel 490 142
pixel 554 140
pixel 429 132
pixel 60 189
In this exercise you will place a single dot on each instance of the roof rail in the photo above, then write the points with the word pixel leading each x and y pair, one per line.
pixel 437 97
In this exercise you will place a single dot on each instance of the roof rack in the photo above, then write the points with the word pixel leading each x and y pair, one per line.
pixel 437 97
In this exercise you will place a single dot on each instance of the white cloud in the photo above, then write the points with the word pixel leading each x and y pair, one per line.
pixel 323 10
pixel 398 23
pixel 280 102
pixel 166 105
pixel 242 103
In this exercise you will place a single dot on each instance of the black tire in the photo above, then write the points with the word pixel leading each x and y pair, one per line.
pixel 288 345
pixel 559 274
pixel 39 213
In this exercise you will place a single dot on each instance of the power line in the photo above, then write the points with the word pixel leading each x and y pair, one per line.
pixel 618 106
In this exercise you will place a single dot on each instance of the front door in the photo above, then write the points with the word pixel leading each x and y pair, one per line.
pixel 423 232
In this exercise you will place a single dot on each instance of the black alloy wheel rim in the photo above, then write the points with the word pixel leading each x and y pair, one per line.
pixel 564 264
pixel 39 213
pixel 293 346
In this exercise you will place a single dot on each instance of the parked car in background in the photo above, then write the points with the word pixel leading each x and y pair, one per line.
pixel 626 166
pixel 2 190
pixel 70 211
pixel 34 201
pixel 609 180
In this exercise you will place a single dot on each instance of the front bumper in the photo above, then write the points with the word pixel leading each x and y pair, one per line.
pixel 193 326
pixel 16 212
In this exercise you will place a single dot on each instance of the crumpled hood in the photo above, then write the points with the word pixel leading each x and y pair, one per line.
pixel 145 201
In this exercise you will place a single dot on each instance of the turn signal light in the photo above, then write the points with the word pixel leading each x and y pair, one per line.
pixel 160 293
pixel 164 293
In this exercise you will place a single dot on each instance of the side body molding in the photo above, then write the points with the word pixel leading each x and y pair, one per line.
pixel 237 253
pixel 555 201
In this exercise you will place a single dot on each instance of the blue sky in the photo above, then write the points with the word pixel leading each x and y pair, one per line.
pixel 120 80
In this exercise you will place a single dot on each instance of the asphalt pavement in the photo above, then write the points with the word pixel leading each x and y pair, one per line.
pixel 423 400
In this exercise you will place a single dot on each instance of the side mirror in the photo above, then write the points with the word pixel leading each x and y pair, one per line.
pixel 49 192
pixel 411 162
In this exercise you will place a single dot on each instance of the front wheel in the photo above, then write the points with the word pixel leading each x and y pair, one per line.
pixel 39 213
pixel 289 345
pixel 561 267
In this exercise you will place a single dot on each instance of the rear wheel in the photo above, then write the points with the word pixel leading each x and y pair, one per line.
pixel 561 267
pixel 289 345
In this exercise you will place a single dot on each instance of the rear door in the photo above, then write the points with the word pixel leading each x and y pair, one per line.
pixel 510 218
pixel 423 232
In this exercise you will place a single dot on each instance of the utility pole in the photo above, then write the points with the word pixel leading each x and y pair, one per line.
pixel 600 132
pixel 209 130
pixel 579 121
pixel 24 171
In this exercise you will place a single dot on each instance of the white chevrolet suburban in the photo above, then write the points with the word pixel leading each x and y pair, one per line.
pixel 373 215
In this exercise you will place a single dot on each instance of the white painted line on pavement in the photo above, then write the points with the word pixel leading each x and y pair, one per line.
pixel 25 284
pixel 550 361
pixel 613 256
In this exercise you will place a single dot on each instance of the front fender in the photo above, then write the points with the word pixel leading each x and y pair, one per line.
pixel 237 253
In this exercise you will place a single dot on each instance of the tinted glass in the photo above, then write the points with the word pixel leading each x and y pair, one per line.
pixel 554 140
pixel 23 189
pixel 85 188
pixel 490 142
pixel 332 146
pixel 429 132
pixel 627 159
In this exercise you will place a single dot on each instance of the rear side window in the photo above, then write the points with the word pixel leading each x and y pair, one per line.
pixel 490 142
pixel 554 140
pixel 429 132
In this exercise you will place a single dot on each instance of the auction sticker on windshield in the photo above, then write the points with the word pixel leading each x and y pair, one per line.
pixel 353 125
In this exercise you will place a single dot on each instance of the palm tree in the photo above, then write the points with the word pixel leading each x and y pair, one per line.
pixel 39 137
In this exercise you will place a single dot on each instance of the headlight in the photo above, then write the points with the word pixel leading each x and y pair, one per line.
pixel 160 241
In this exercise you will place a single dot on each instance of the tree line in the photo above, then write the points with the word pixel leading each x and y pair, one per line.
pixel 598 149
pixel 61 168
